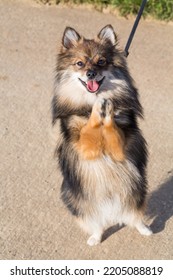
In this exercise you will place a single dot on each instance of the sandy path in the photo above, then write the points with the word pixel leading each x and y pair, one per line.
pixel 34 222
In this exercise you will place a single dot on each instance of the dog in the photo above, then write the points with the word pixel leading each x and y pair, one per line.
pixel 101 151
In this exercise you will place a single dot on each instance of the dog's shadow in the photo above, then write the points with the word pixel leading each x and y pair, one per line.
pixel 160 205
pixel 160 209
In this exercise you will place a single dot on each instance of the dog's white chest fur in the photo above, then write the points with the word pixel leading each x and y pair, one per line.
pixel 106 187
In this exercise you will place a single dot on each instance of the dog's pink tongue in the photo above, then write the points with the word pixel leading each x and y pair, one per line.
pixel 92 86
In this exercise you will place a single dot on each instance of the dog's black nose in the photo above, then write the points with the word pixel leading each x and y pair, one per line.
pixel 91 74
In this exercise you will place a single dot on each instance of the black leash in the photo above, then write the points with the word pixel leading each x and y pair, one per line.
pixel 126 50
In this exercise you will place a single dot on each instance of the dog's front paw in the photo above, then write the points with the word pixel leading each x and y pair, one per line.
pixel 98 112
pixel 108 115
pixel 113 136
pixel 90 151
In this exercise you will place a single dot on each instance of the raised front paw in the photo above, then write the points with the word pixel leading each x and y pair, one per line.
pixel 113 136
pixel 108 113
pixel 98 113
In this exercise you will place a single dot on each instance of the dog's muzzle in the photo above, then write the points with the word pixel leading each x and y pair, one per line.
pixel 92 85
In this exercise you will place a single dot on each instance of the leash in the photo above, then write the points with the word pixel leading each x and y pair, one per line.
pixel 126 50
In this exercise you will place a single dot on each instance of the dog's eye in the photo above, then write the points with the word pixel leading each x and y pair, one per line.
pixel 101 62
pixel 80 64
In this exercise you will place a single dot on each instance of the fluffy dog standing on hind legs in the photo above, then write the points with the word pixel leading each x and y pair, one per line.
pixel 101 152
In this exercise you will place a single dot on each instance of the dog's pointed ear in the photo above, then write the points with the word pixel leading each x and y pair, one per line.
pixel 70 38
pixel 107 34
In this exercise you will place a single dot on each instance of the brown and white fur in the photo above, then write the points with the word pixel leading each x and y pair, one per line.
pixel 101 152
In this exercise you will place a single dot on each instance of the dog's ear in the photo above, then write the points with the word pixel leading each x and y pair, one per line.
pixel 107 34
pixel 70 38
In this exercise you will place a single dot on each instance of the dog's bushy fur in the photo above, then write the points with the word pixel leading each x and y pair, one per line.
pixel 101 152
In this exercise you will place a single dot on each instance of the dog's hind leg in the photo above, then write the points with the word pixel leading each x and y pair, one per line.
pixel 143 229
pixel 135 219
pixel 91 226
pixel 95 238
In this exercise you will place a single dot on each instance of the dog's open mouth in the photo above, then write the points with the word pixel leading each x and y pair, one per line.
pixel 92 85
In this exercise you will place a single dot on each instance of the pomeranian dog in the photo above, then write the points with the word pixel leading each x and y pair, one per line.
pixel 101 152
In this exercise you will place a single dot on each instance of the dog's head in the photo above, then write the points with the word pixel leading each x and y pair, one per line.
pixel 88 68
pixel 89 58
